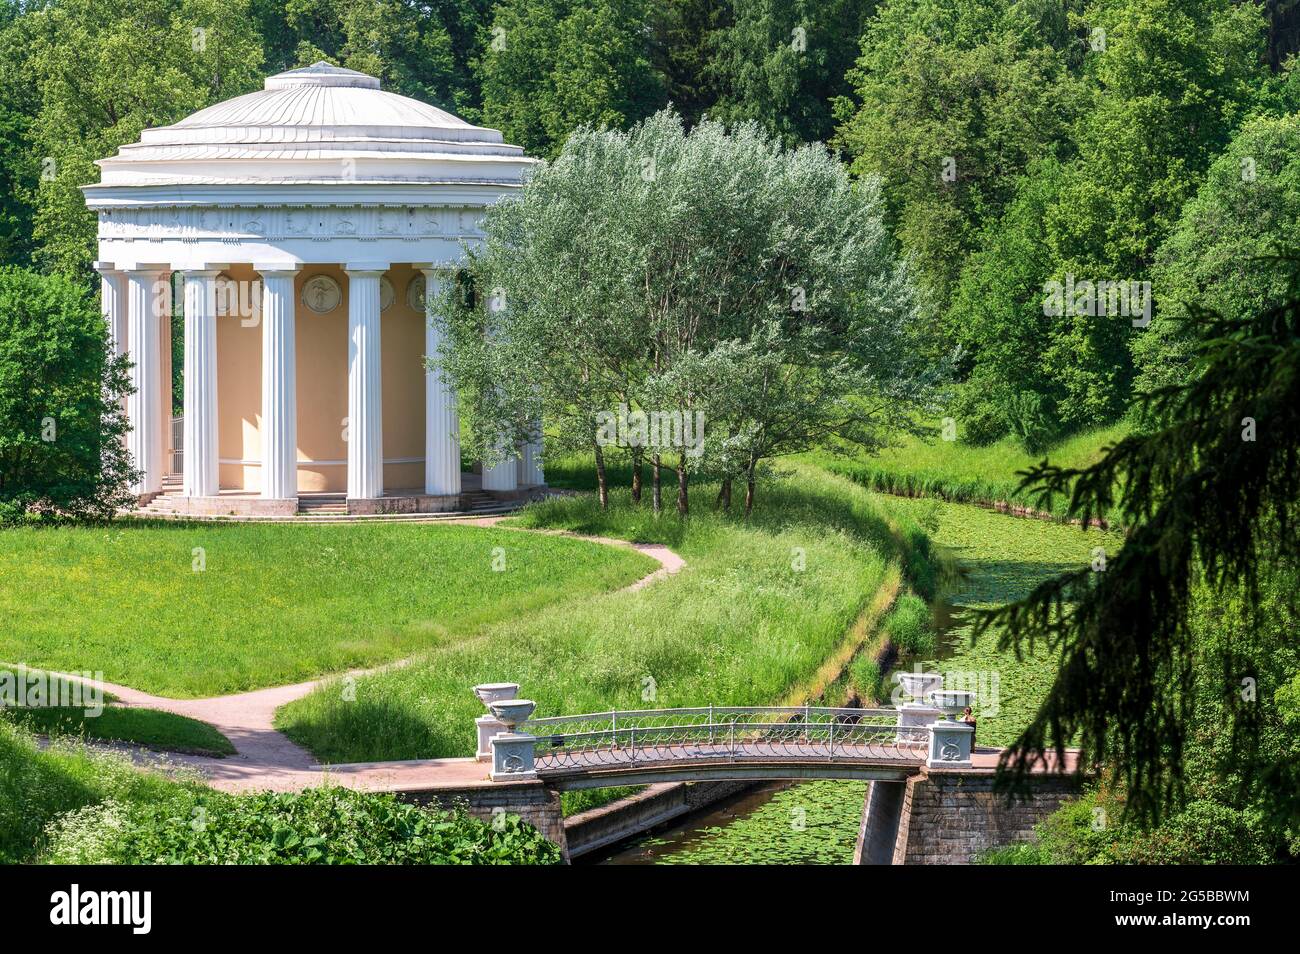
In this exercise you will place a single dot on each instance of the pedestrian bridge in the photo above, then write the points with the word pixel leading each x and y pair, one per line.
pixel 600 749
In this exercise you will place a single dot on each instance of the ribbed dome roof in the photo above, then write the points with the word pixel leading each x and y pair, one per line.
pixel 318 124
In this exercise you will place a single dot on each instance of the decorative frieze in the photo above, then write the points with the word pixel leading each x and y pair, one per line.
pixel 233 224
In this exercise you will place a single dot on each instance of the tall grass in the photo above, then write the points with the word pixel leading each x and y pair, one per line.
pixel 37 787
pixel 760 605
pixel 966 473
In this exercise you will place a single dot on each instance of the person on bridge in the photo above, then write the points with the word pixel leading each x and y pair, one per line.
pixel 969 719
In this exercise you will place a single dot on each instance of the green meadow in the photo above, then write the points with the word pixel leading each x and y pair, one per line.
pixel 966 473
pixel 189 610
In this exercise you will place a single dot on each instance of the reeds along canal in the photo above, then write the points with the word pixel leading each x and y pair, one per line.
pixel 1002 557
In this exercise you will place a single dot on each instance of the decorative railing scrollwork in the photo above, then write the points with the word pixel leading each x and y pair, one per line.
pixel 715 733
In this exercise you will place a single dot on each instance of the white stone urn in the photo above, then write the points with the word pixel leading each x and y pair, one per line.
pixel 920 686
pixel 490 692
pixel 953 702
pixel 511 712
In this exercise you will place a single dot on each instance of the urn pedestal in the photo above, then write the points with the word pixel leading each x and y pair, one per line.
pixel 915 715
pixel 512 757
pixel 489 725
pixel 950 739
pixel 950 744
pixel 512 751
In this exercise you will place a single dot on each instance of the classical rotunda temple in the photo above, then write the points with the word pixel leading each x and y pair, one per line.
pixel 304 223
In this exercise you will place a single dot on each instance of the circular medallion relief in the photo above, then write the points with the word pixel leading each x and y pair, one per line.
pixel 415 293
pixel 321 294
pixel 386 293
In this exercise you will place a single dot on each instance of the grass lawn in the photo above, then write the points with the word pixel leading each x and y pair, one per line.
pixel 274 604
pixel 1003 558
pixel 963 472
pixel 752 617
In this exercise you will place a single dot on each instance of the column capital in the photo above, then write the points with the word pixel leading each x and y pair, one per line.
pixel 436 268
pixel 365 269
pixel 210 271
pixel 277 268
pixel 106 268
pixel 142 268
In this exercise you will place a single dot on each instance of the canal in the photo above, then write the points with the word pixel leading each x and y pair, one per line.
pixel 1002 558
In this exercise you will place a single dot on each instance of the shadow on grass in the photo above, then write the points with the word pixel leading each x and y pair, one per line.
pixel 385 729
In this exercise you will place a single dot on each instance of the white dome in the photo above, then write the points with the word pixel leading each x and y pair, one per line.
pixel 317 125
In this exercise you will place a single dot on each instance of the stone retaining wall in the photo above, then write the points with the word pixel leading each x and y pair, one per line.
pixel 949 817
pixel 644 811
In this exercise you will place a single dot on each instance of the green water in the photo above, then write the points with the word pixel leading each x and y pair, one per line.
pixel 817 822
pixel 811 823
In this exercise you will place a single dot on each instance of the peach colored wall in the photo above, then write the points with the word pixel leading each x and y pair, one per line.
pixel 239 395
pixel 322 389
pixel 322 386
pixel 402 354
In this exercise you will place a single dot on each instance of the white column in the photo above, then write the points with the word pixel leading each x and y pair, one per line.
pixel 148 296
pixel 279 384
pixel 200 458
pixel 165 385
pixel 504 476
pixel 113 295
pixel 529 471
pixel 113 301
pixel 365 410
pixel 441 419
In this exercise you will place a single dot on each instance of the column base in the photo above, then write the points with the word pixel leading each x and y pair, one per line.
pixel 414 503
pixel 235 506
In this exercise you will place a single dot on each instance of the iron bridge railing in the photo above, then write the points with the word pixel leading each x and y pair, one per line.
pixel 715 733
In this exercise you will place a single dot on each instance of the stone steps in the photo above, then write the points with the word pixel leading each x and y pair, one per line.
pixel 331 513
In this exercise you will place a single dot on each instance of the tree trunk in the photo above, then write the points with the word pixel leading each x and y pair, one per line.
pixel 724 494
pixel 749 487
pixel 638 455
pixel 656 491
pixel 601 483
pixel 683 503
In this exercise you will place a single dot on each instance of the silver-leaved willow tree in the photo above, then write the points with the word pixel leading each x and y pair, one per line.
pixel 705 276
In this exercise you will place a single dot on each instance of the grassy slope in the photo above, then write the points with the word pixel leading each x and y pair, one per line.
pixel 36 787
pixel 275 604
pixel 738 625
pixel 149 728
pixel 68 708
pixel 963 472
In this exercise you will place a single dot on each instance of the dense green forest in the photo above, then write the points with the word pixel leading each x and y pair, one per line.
pixel 1064 178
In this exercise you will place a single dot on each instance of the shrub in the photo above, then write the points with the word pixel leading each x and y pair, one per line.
pixel 866 678
pixel 330 826
pixel 1021 853
pixel 1091 830
pixel 61 423
pixel 71 805
pixel 908 625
